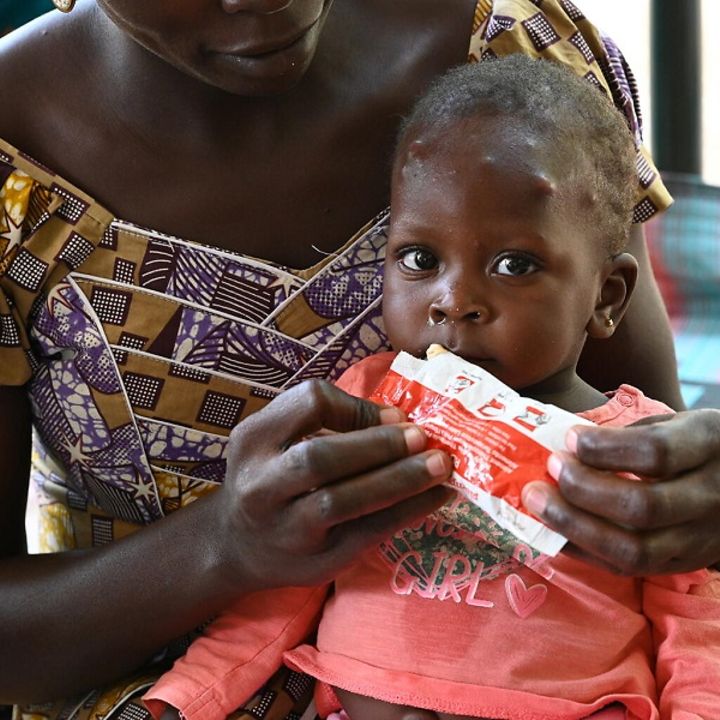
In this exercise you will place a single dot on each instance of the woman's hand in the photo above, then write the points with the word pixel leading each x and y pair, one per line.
pixel 667 523
pixel 299 504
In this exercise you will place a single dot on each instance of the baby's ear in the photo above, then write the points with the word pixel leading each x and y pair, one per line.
pixel 620 274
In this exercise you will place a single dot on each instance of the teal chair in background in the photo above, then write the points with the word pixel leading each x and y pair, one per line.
pixel 684 244
pixel 14 13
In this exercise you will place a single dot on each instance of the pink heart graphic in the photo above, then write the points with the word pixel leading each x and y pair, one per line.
pixel 524 600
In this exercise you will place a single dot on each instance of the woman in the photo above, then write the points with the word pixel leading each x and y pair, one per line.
pixel 263 128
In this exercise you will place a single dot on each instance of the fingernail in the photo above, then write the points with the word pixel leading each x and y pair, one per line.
pixel 414 439
pixel 391 415
pixel 436 464
pixel 571 441
pixel 534 498
pixel 554 466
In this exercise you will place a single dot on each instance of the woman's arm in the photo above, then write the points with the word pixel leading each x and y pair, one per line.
pixel 15 429
pixel 641 351
pixel 287 514
pixel 60 610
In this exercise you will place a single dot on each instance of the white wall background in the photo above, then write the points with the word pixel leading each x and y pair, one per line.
pixel 628 23
pixel 711 91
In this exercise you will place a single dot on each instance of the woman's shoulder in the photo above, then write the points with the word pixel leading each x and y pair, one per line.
pixel 44 71
pixel 47 71
pixel 418 25
pixel 415 13
pixel 44 76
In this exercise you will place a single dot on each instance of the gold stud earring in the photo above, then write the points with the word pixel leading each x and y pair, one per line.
pixel 609 322
pixel 64 5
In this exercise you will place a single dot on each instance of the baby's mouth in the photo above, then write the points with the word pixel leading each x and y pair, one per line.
pixel 476 356
pixel 461 345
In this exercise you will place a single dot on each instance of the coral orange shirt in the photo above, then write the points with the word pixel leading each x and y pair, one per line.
pixel 439 621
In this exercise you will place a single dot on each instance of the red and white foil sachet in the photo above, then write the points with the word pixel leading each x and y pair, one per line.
pixel 498 440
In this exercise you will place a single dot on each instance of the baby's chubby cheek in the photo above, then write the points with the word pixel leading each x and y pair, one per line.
pixel 406 324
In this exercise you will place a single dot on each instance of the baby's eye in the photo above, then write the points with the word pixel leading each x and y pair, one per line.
pixel 418 260
pixel 515 265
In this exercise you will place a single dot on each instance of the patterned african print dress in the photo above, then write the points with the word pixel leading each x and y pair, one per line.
pixel 141 351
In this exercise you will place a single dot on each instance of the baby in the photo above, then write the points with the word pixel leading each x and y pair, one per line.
pixel 499 253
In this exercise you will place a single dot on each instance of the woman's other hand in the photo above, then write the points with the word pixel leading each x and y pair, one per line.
pixel 299 503
pixel 665 524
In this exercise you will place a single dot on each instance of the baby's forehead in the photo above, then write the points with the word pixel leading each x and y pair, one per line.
pixel 481 135
pixel 473 158
pixel 473 148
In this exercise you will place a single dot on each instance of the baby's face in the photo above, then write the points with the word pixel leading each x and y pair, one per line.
pixel 490 255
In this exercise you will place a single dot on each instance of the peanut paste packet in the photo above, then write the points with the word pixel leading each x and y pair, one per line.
pixel 498 440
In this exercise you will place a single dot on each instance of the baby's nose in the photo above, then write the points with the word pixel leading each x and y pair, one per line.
pixel 453 312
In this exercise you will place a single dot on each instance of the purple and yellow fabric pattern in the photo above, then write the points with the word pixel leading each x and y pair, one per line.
pixel 141 351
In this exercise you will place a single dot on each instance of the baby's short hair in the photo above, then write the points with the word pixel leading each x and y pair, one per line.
pixel 573 115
